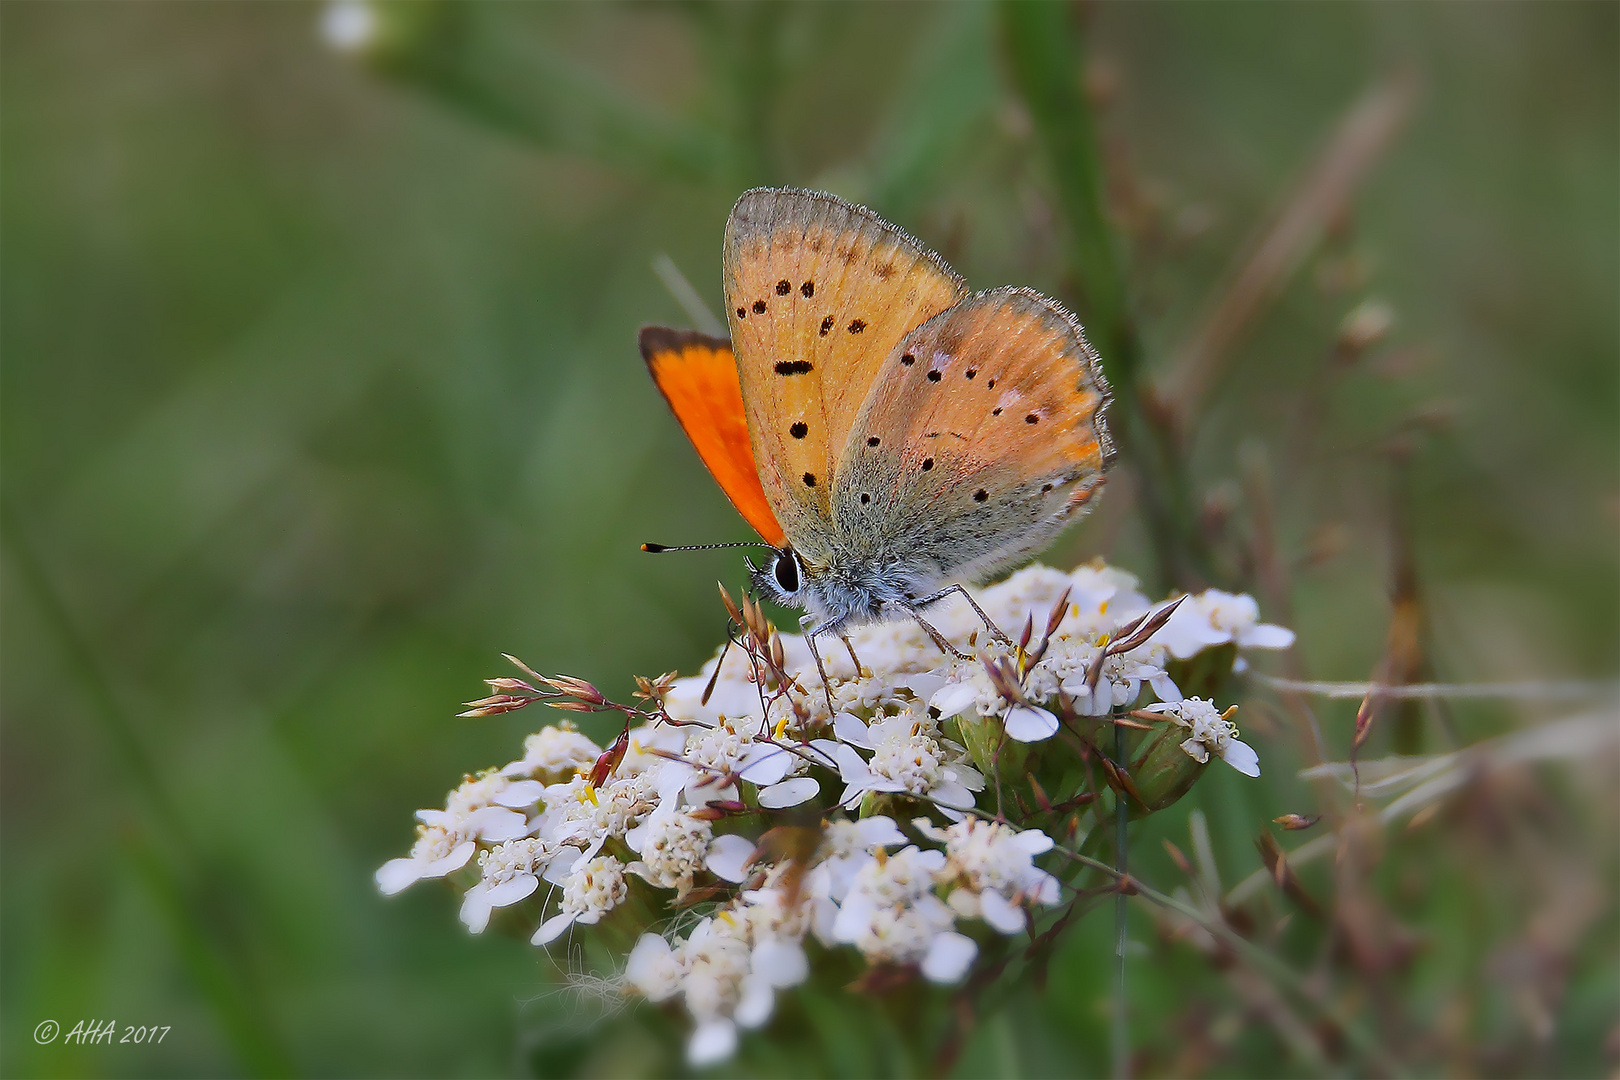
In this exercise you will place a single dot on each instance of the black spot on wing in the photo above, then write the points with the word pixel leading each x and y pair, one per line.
pixel 826 325
pixel 807 290
pixel 794 367
pixel 759 307
pixel 784 287
pixel 799 430
pixel 809 479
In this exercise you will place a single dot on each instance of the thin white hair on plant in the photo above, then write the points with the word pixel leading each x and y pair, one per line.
pixel 913 807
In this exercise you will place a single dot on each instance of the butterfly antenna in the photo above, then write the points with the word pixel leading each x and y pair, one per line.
pixel 659 549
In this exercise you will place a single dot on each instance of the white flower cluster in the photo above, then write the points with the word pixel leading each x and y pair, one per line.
pixel 689 810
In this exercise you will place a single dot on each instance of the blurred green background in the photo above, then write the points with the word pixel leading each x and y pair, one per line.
pixel 320 390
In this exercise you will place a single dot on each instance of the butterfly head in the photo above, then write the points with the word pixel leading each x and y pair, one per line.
pixel 782 577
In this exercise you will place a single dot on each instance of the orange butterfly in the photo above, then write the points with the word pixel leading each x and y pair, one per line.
pixel 890 435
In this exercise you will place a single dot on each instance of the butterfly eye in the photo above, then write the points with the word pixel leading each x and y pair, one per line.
pixel 786 572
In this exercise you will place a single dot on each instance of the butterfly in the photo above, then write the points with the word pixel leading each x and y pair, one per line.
pixel 889 435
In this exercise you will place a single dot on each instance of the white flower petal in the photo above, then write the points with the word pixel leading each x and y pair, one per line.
pixel 672 778
pixel 552 929
pixel 781 963
pixel 852 729
pixel 512 890
pixel 497 823
pixel 755 999
pixel 1196 750
pixel 728 856
pixel 450 863
pixel 765 765
pixel 954 699
pixel 949 957
pixel 562 864
pixel 1032 842
pixel 1266 636
pixel 704 787
pixel 951 794
pixel 924 686
pixel 521 794
pixel 823 914
pixel 647 963
pixel 825 748
pixel 1043 888
pixel 397 874
pixel 789 792
pixel 1164 687
pixel 1188 630
pixel 853 917
pixel 1029 723
pixel 1005 916
pixel 967 776
pixel 852 768
pixel 1241 756
pixel 475 908
pixel 712 1042
pixel 592 848
pixel 879 831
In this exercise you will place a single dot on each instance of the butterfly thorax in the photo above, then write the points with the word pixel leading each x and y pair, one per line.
pixel 846 590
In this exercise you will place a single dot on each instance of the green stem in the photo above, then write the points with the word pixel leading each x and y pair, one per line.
pixel 516 85
pixel 209 946
pixel 1120 1039
pixel 1046 57
pixel 1265 963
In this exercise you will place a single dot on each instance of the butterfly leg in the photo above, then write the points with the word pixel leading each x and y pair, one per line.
pixel 939 639
pixel 977 610
pixel 850 648
pixel 810 635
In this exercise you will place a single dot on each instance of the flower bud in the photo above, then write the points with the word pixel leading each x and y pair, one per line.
pixel 987 743
pixel 1162 770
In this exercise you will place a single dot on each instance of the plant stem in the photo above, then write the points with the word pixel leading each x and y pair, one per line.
pixel 1120 1035
pixel 1267 964
pixel 1047 64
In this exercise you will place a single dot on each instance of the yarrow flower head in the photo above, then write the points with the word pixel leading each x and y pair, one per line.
pixel 1211 733
pixel 748 807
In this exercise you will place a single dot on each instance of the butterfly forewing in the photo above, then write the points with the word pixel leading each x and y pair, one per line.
pixel 985 424
pixel 818 293
pixel 698 377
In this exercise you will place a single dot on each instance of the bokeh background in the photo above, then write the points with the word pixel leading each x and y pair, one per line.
pixel 320 390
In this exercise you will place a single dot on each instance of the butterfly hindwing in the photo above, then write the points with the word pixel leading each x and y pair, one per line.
pixel 985 428
pixel 697 375
pixel 818 293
